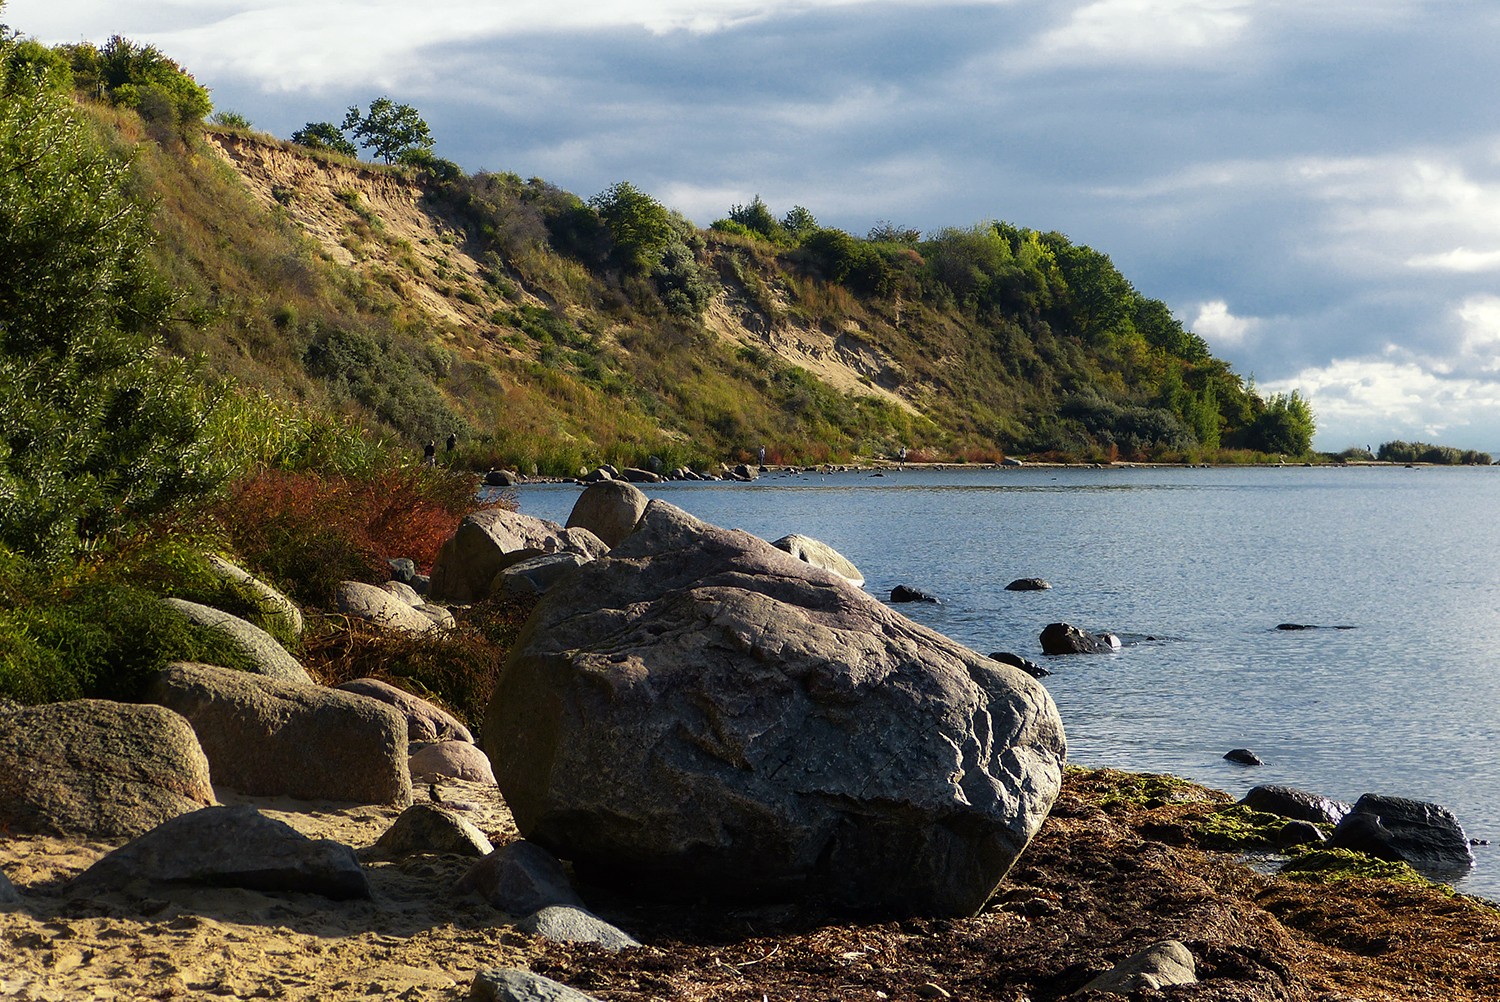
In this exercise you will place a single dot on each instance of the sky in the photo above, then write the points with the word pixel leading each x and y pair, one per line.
pixel 1312 187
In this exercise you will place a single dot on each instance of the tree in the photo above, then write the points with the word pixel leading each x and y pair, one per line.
pixel 799 222
pixel 390 129
pixel 757 218
pixel 324 136
pixel 1286 426
pixel 97 427
pixel 640 225
pixel 141 77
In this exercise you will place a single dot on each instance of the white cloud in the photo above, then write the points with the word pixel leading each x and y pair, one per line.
pixel 1459 259
pixel 1480 319
pixel 1220 328
pixel 1143 31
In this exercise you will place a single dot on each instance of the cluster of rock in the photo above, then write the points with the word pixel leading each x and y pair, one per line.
pixel 1426 836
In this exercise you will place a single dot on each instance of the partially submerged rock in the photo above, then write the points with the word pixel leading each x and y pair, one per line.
pixel 1064 638
pixel 1028 584
pixel 1296 804
pixel 1425 835
pixel 98 769
pixel 230 847
pixel 264 736
pixel 905 593
pixel 1016 661
pixel 701 710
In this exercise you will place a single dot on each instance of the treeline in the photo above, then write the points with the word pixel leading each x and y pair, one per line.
pixel 1422 452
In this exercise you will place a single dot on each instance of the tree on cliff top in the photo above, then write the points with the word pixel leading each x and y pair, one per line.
pixel 390 129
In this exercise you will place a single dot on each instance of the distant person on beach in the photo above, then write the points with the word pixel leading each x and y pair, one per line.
pixel 452 440
pixel 901 457
pixel 429 454
pixel 762 456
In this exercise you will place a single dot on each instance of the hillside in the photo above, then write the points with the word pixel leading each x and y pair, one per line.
pixel 513 313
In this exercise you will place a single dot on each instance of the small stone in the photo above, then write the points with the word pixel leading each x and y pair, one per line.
pixel 1242 756
pixel 1028 584
pixel 902 593
pixel 932 990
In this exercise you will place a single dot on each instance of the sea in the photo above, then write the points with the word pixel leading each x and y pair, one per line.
pixel 1395 690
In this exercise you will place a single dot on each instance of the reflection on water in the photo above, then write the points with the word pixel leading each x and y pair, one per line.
pixel 1403 704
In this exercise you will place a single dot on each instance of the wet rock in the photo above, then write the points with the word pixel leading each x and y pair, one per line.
pixel 1298 833
pixel 1064 638
pixel 431 828
pixel 230 847
pixel 902 593
pixel 1242 756
pixel 269 657
pixel 98 769
pixel 1298 804
pixel 1028 584
pixel 1159 965
pixel 424 722
pixel 826 743
pixel 264 736
pixel 1425 835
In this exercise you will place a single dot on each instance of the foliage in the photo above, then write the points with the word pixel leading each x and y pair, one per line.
pixel 1285 427
pixel 757 219
pixel 434 167
pixel 390 129
pixel 99 427
pixel 307 532
pixel 639 225
pixel 391 375
pixel 1421 452
pixel 140 77
pixel 230 120
pixel 30 63
pixel 325 136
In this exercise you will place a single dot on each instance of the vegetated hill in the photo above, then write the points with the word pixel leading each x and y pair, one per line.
pixel 551 333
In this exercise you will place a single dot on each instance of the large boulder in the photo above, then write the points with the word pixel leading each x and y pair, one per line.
pixel 98 769
pixel 1298 805
pixel 609 509
pixel 1425 835
pixel 702 710
pixel 424 721
pixel 264 651
pixel 535 575
pixel 229 847
pixel 264 736
pixel 381 607
pixel 1064 638
pixel 820 554
pixel 450 760
pixel 272 602
pixel 468 561
pixel 512 984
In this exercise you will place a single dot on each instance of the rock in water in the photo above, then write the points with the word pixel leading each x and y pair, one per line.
pixel 700 710
pixel 1425 835
pixel 98 768
pixel 1064 638
pixel 1296 804
pixel 1028 584
pixel 905 593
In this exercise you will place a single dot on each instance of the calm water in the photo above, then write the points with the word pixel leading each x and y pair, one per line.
pixel 1197 567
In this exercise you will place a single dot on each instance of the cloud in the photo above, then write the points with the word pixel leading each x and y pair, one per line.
pixel 1143 31
pixel 1215 324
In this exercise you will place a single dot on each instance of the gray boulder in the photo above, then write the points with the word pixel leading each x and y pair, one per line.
pixel 519 879
pixel 469 560
pixel 264 736
pixel 230 847
pixel 1159 965
pixel 1425 835
pixel 403 569
pixel 536 575
pixel 272 602
pixel 381 607
pixel 1028 584
pixel 511 984
pixel 501 478
pixel 451 760
pixel 441 618
pixel 1063 638
pixel 1016 661
pixel 635 475
pixel 432 828
pixel 1295 804
pixel 424 721
pixel 403 591
pixel 609 510
pixel 703 710
pixel 269 657
pixel 98 769
pixel 567 924
pixel 822 555
pixel 8 893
